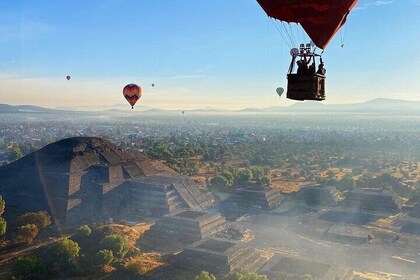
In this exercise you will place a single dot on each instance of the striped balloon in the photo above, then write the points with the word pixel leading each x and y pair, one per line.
pixel 132 93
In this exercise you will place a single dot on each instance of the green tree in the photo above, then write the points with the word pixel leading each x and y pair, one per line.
pixel 265 180
pixel 3 227
pixel 204 275
pixel 2 205
pixel 83 231
pixel 16 153
pixel 104 257
pixel 29 268
pixel 219 181
pixel 242 275
pixel 257 172
pixel 243 176
pixel 27 233
pixel 65 252
pixel 117 244
pixel 307 277
pixel 228 176
pixel 41 219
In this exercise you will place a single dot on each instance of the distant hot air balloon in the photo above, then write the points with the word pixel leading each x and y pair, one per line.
pixel 153 85
pixel 183 112
pixel 280 91
pixel 68 77
pixel 132 93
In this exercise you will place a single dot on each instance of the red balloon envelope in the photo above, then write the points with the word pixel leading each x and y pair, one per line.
pixel 321 19
pixel 132 93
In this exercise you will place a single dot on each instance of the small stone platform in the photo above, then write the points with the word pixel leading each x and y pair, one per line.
pixel 318 195
pixel 183 227
pixel 219 257
pixel 354 235
pixel 372 199
pixel 252 199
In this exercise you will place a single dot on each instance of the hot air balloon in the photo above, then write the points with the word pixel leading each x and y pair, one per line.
pixel 280 91
pixel 153 85
pixel 132 93
pixel 68 77
pixel 321 19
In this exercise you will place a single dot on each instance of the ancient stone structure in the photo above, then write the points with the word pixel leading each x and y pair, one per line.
pixel 373 200
pixel 220 256
pixel 252 199
pixel 411 223
pixel 84 180
pixel 318 195
pixel 354 235
pixel 174 231
pixel 282 266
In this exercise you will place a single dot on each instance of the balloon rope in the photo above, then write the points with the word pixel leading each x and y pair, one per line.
pixel 343 38
pixel 288 35
pixel 293 37
pixel 268 35
pixel 281 34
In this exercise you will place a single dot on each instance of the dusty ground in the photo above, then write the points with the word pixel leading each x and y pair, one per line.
pixel 288 186
pixel 302 235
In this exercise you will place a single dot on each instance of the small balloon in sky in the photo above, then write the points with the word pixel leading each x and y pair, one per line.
pixel 294 52
pixel 68 77
pixel 153 85
pixel 132 94
pixel 280 91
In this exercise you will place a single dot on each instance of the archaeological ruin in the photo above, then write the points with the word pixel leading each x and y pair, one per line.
pixel 371 199
pixel 85 180
pixel 252 199
pixel 319 195
pixel 348 234
pixel 220 256
pixel 174 231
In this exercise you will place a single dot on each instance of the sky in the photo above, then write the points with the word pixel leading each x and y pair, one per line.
pixel 198 53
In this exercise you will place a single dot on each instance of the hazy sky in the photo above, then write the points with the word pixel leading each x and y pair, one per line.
pixel 198 53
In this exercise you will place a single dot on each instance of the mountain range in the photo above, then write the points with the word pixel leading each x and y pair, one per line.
pixel 379 105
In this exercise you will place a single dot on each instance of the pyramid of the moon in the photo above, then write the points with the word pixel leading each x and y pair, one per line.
pixel 85 179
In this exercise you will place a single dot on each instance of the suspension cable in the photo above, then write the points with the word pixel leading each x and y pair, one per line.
pixel 288 34
pixel 281 34
pixel 291 33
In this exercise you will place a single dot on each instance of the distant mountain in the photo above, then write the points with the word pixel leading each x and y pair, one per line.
pixel 115 107
pixel 5 108
pixel 306 106
pixel 379 105
pixel 252 110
